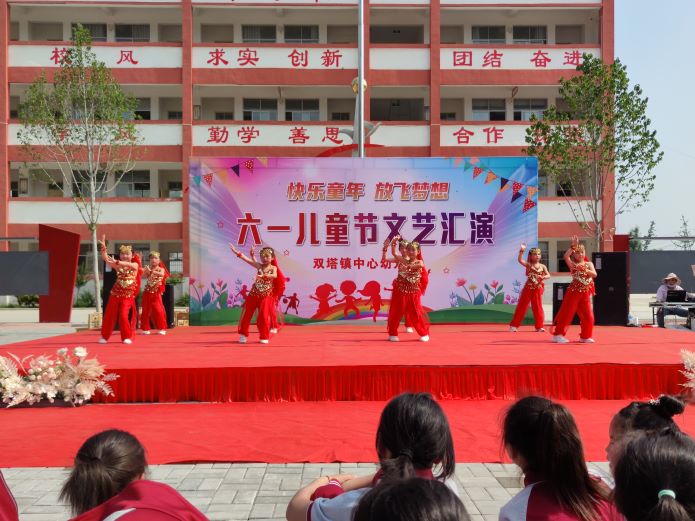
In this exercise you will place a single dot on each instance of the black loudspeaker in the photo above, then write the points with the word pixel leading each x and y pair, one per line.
pixel 559 290
pixel 612 299
pixel 168 300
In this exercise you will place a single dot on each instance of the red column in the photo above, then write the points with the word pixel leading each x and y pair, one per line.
pixel 367 46
pixel 607 53
pixel 187 127
pixel 435 76
pixel 4 118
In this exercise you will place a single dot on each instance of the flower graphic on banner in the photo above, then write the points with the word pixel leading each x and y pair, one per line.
pixel 491 293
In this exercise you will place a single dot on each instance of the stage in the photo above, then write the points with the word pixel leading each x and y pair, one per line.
pixel 355 362
pixel 314 394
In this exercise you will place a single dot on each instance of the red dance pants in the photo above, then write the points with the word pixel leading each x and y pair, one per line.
pixel 274 321
pixel 396 294
pixel 408 305
pixel 533 297
pixel 118 309
pixel 265 307
pixel 578 302
pixel 152 308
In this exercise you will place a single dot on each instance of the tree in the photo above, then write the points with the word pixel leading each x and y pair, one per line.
pixel 603 143
pixel 684 232
pixel 82 124
pixel 641 244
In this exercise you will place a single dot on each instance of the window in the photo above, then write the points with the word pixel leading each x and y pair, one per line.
pixel 451 34
pixel 55 189
pixel 525 108
pixel 569 34
pixel 447 116
pixel 563 189
pixel 397 34
pixel 526 34
pixel 175 188
pixel 80 184
pixel 542 184
pixel 341 34
pixel 14 189
pixel 46 31
pixel 14 31
pixel 142 110
pixel 489 110
pixel 545 252
pixel 134 184
pixel 174 114
pixel 169 33
pixel 302 33
pixel 224 116
pixel 258 33
pixel 562 247
pixel 489 34
pixel 260 110
pixel 302 110
pixel 132 32
pixel 14 107
pixel 217 33
pixel 340 116
pixel 96 31
pixel 176 262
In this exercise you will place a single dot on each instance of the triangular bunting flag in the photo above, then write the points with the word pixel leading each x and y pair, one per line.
pixel 531 191
pixel 528 204
pixel 235 169
pixel 208 179
pixel 516 196
pixel 457 161
pixel 263 160
pixel 516 187
pixel 196 179
pixel 504 184
pixel 249 165
pixel 477 171
pixel 491 176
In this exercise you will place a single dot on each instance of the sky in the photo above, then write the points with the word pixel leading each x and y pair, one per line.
pixel 655 41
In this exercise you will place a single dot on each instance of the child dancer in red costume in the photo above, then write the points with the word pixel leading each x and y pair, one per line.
pixel 152 306
pixel 276 318
pixel 402 249
pixel 123 293
pixel 405 300
pixel 263 294
pixel 532 293
pixel 578 296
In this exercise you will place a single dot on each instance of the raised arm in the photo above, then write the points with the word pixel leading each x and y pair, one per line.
pixel 384 250
pixel 111 261
pixel 397 257
pixel 568 254
pixel 247 260
pixel 591 270
pixel 520 258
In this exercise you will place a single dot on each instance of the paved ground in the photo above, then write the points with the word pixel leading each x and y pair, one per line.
pixel 258 491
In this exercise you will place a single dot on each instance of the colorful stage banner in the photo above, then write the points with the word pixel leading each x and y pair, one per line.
pixel 327 219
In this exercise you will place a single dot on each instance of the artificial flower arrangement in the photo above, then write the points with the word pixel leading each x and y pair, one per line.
pixel 688 358
pixel 71 378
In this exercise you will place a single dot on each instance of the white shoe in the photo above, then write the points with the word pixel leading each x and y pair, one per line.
pixel 146 332
pixel 393 339
pixel 559 339
pixel 425 338
pixel 513 329
pixel 127 341
pixel 102 340
pixel 274 331
pixel 242 339
pixel 540 330
pixel 409 330
pixel 264 341
pixel 162 331
pixel 587 340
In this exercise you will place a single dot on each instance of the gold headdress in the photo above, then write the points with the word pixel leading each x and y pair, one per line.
pixel 154 254
pixel 267 249
pixel 579 248
pixel 125 248
pixel 534 251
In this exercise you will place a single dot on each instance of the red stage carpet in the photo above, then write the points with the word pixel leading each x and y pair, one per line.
pixel 352 363
pixel 267 432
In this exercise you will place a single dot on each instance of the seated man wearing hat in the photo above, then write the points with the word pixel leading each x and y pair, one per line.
pixel 669 283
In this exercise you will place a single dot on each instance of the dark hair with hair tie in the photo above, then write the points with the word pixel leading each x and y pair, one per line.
pixel 415 499
pixel 651 416
pixel 414 434
pixel 104 465
pixel 655 468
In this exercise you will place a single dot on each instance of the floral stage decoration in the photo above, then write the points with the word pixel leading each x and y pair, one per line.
pixel 68 377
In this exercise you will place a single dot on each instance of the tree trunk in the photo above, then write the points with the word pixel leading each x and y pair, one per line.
pixel 97 284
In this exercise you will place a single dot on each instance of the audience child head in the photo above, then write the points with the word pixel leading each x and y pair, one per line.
pixel 542 438
pixel 414 435
pixel 640 417
pixel 104 465
pixel 414 499
pixel 655 477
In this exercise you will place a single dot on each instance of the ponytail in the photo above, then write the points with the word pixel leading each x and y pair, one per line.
pixel 668 508
pixel 104 465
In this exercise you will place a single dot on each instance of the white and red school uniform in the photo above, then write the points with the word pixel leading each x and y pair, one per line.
pixel 531 294
pixel 331 503
pixel 8 505
pixel 144 500
pixel 537 502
